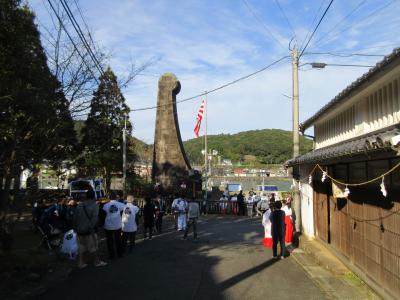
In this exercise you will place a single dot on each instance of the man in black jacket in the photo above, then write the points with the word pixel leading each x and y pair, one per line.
pixel 240 201
pixel 149 212
pixel 277 218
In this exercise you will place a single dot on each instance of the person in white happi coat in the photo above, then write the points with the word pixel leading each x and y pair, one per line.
pixel 266 222
pixel 179 206
pixel 129 224
pixel 250 205
pixel 223 204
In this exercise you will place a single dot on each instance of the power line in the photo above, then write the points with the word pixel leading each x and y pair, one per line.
pixel 344 18
pixel 84 22
pixel 286 18
pixel 316 65
pixel 312 23
pixel 377 47
pixel 343 54
pixel 72 41
pixel 374 13
pixel 316 27
pixel 51 17
pixel 217 88
pixel 81 36
pixel 262 23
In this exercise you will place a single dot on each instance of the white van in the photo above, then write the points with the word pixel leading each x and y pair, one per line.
pixel 78 188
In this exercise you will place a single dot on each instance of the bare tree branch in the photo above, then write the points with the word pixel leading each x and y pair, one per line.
pixel 133 72
pixel 65 61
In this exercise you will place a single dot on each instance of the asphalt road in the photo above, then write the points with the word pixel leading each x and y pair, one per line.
pixel 227 262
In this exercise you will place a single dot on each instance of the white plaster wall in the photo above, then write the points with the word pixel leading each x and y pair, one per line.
pixel 307 214
pixel 373 108
pixel 306 200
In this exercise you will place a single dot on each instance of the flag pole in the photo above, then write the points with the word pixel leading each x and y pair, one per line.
pixel 205 150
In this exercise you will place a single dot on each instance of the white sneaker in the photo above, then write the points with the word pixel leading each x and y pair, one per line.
pixel 100 264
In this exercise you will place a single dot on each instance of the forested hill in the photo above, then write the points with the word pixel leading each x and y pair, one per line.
pixel 253 147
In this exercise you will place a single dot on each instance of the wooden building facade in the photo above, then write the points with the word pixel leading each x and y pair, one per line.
pixel 357 140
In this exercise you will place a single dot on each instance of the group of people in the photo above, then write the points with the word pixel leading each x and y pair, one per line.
pixel 278 226
pixel 120 220
pixel 53 215
pixel 186 215
pixel 80 221
pixel 249 205
pixel 235 204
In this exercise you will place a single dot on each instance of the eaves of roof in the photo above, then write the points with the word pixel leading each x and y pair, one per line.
pixel 351 88
pixel 361 145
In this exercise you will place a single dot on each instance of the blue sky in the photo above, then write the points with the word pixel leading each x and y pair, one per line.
pixel 208 43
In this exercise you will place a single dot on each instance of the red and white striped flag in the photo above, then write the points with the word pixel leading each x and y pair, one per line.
pixel 199 118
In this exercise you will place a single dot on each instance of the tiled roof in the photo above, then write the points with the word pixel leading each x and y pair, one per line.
pixel 343 94
pixel 364 144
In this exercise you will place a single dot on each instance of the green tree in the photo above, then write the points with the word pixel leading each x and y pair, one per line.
pixel 35 122
pixel 266 146
pixel 102 134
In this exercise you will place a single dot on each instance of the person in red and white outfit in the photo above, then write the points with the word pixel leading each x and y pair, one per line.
pixel 288 222
pixel 267 241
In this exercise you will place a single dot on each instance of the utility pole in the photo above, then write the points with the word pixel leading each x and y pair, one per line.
pixel 295 77
pixel 124 159
pixel 263 181
pixel 205 151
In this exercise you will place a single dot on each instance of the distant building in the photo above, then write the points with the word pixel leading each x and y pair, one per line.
pixel 238 172
pixel 47 178
pixel 226 162
pixel 143 169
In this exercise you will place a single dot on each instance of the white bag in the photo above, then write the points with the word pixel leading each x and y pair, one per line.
pixel 70 244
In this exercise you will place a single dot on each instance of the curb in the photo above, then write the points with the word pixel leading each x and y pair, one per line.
pixel 323 256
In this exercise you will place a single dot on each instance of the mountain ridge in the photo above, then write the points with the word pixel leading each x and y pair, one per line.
pixel 252 147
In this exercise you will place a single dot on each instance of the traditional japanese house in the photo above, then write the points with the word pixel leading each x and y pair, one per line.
pixel 354 207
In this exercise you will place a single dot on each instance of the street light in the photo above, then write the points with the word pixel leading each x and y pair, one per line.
pixel 320 65
pixel 295 89
pixel 207 167
pixel 317 65
pixel 210 156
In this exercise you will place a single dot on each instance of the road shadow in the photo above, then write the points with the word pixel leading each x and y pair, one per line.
pixel 244 275
pixel 169 268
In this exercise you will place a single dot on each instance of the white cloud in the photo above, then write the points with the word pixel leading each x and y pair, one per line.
pixel 209 43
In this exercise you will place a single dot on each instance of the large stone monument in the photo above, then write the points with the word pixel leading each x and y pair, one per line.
pixel 170 164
